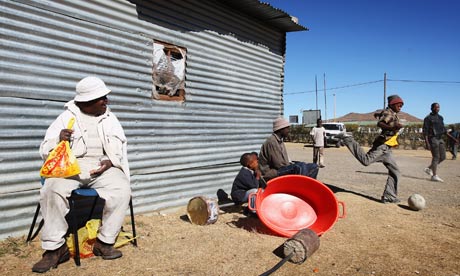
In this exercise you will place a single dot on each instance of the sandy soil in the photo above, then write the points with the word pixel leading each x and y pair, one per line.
pixel 373 238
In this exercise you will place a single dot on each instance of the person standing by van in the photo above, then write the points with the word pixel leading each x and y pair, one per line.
pixel 381 147
pixel 318 135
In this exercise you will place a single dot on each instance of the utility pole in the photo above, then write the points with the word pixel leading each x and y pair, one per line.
pixel 325 104
pixel 384 90
pixel 316 88
pixel 334 106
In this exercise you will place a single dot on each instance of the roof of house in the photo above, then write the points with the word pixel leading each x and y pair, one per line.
pixel 268 14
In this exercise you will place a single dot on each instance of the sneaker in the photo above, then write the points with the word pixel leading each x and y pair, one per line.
pixel 385 200
pixel 436 178
pixel 428 171
pixel 52 258
pixel 321 166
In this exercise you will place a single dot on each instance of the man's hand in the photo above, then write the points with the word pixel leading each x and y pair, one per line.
pixel 427 146
pixel 65 134
pixel 398 126
pixel 258 174
pixel 105 165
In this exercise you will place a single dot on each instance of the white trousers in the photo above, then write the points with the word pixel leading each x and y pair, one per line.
pixel 113 186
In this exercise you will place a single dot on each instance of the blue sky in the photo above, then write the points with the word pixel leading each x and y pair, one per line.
pixel 415 42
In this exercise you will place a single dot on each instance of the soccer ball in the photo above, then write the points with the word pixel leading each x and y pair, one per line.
pixel 416 202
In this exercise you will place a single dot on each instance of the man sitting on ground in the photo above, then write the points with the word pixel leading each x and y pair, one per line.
pixel 274 160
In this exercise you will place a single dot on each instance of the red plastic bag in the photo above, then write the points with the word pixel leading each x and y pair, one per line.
pixel 61 162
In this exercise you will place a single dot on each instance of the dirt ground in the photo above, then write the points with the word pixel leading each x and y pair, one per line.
pixel 373 238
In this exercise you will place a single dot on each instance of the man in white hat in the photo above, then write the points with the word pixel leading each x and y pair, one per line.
pixel 99 144
pixel 274 160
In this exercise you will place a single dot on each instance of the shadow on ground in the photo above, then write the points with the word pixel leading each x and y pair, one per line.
pixel 336 189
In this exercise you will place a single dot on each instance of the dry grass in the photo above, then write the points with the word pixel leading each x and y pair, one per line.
pixel 373 239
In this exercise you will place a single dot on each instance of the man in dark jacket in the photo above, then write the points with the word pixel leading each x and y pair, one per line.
pixel 433 129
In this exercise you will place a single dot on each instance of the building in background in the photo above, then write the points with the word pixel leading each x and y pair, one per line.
pixel 309 117
pixel 293 119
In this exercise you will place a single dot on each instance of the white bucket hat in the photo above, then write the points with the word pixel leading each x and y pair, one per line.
pixel 90 88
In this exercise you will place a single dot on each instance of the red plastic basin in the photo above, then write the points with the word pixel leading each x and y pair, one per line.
pixel 293 202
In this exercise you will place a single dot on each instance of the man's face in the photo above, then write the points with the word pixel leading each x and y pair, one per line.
pixel 95 107
pixel 253 163
pixel 285 132
pixel 396 107
pixel 435 109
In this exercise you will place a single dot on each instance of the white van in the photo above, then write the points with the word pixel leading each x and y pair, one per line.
pixel 332 129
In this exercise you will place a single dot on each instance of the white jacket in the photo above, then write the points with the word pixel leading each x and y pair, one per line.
pixel 114 140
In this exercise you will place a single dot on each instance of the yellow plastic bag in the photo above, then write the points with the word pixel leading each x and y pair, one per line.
pixel 87 237
pixel 393 141
pixel 123 238
pixel 61 162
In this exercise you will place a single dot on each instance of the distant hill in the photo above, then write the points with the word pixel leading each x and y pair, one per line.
pixel 369 117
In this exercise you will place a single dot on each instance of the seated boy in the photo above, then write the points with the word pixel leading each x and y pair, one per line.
pixel 247 180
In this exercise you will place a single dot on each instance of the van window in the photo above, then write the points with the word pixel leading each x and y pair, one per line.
pixel 332 127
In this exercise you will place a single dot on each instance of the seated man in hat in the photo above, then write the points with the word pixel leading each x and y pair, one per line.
pixel 274 160
pixel 388 121
pixel 99 144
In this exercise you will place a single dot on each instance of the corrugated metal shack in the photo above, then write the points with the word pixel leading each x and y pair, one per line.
pixel 179 145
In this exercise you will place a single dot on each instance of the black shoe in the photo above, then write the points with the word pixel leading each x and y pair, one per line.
pixel 247 212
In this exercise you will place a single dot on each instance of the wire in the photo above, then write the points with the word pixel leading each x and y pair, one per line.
pixel 427 81
pixel 371 82
pixel 335 88
pixel 278 265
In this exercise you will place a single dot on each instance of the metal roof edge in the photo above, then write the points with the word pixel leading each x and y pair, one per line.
pixel 268 14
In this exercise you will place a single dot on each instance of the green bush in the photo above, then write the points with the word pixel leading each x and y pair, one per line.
pixel 410 138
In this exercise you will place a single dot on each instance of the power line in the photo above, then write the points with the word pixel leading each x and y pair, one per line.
pixel 335 88
pixel 371 82
pixel 427 81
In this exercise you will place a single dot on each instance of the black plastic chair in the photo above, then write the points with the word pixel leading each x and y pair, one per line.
pixel 73 220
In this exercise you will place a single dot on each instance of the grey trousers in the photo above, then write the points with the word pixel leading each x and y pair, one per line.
pixel 438 152
pixel 382 154
pixel 112 185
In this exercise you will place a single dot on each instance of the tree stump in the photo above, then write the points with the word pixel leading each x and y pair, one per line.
pixel 303 244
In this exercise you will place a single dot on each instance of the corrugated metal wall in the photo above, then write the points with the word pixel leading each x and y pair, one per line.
pixel 176 150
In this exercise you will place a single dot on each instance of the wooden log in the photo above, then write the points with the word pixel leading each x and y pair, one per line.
pixel 303 244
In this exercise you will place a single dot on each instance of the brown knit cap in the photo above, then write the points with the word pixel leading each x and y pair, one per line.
pixel 394 99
